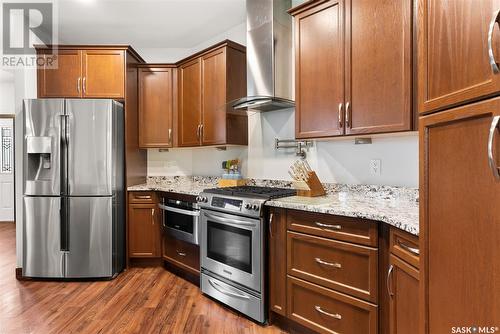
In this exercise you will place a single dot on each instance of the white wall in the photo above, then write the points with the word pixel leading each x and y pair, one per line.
pixel 6 92
pixel 172 55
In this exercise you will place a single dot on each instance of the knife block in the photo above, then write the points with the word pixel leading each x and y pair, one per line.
pixel 312 187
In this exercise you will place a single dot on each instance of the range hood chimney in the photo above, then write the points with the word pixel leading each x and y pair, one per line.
pixel 269 57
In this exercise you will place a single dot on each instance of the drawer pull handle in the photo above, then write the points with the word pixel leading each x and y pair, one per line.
pixel 180 253
pixel 143 197
pixel 335 265
pixel 333 227
pixel 413 250
pixel 335 316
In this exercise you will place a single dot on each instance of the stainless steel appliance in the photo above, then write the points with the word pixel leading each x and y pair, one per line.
pixel 180 219
pixel 269 57
pixel 73 179
pixel 232 246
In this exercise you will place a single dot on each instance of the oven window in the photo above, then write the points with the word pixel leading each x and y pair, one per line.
pixel 179 221
pixel 230 245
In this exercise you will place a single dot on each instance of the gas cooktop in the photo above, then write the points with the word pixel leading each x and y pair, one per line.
pixel 266 193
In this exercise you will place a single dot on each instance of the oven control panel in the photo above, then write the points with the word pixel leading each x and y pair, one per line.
pixel 245 206
pixel 227 203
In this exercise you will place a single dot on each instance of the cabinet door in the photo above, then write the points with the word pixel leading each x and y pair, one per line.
pixel 214 97
pixel 190 103
pixel 453 60
pixel 277 261
pixel 103 73
pixel 378 68
pixel 143 231
pixel 155 107
pixel 64 80
pixel 319 70
pixel 403 291
pixel 460 216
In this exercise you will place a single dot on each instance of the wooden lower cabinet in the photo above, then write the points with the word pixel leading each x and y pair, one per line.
pixel 460 217
pixel 319 280
pixel 338 265
pixel 328 311
pixel 181 254
pixel 277 261
pixel 143 231
pixel 403 289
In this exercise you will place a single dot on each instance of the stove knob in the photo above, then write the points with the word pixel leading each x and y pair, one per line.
pixel 198 199
pixel 248 206
pixel 255 207
pixel 204 199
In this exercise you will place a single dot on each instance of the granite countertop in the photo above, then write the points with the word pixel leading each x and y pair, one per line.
pixel 401 213
pixel 396 206
pixel 177 184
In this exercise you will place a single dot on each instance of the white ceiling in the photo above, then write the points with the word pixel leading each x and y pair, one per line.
pixel 146 23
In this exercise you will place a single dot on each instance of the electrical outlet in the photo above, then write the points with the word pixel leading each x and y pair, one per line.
pixel 375 167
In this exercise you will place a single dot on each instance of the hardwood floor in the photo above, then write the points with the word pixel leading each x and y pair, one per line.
pixel 140 300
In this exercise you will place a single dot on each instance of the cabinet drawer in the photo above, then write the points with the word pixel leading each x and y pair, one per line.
pixel 334 264
pixel 141 197
pixel 405 246
pixel 337 227
pixel 182 254
pixel 327 311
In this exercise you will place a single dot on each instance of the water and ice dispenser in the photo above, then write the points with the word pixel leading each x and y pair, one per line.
pixel 41 176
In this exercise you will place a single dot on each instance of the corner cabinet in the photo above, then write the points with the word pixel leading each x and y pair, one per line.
pixel 144 235
pixel 350 79
pixel 456 68
pixel 156 105
pixel 207 81
pixel 81 72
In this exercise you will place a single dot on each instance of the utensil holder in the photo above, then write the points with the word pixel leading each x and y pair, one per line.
pixel 312 187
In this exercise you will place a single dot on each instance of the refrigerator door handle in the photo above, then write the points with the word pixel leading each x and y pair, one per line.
pixel 64 154
pixel 64 229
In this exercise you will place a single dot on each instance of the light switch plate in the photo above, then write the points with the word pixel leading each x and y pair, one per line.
pixel 375 167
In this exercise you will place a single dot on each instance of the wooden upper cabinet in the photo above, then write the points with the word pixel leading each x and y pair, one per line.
pixel 156 106
pixel 65 79
pixel 453 60
pixel 460 216
pixel 214 97
pixel 207 81
pixel 403 285
pixel 379 66
pixel 319 69
pixel 190 103
pixel 103 73
pixel 85 72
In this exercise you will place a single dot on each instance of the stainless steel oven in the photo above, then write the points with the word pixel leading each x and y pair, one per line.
pixel 180 219
pixel 232 247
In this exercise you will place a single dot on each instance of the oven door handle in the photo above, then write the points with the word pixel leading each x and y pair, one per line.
pixel 226 292
pixel 195 213
pixel 228 220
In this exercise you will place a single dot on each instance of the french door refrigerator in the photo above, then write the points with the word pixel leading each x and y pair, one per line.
pixel 73 175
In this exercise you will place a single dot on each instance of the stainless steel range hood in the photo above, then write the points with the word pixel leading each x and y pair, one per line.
pixel 269 57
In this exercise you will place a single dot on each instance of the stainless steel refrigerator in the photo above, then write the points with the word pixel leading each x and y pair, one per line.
pixel 73 188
